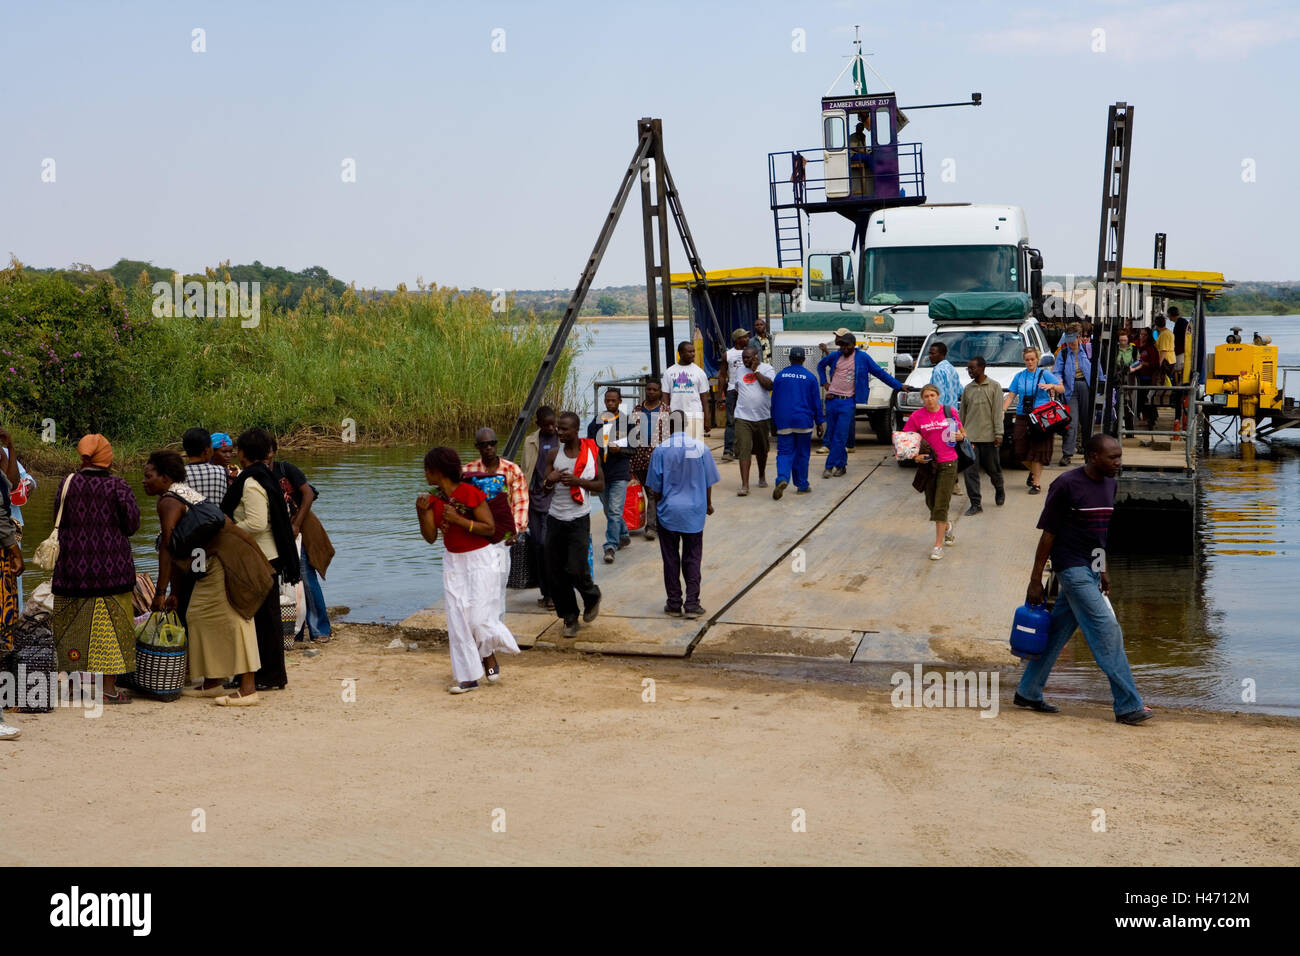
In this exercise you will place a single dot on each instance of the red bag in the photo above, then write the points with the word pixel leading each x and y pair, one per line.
pixel 1049 418
pixel 634 506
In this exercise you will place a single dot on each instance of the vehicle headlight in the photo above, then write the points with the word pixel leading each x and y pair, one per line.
pixel 911 399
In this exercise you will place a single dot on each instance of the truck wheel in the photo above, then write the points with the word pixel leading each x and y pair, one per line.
pixel 880 425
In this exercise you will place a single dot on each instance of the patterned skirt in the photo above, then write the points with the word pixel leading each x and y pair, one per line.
pixel 9 610
pixel 94 634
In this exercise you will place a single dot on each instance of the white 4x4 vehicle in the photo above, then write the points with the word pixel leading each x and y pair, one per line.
pixel 997 325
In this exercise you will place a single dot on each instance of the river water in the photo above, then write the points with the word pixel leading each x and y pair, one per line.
pixel 1196 626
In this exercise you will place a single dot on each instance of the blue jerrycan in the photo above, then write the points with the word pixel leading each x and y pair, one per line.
pixel 1029 631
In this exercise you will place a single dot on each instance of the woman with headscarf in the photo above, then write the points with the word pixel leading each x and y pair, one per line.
pixel 94 575
pixel 256 504
pixel 470 577
pixel 227 589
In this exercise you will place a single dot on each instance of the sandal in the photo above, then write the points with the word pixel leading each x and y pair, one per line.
pixel 121 697
pixel 237 700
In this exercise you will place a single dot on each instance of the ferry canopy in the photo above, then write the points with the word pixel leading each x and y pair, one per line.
pixel 1177 283
pixel 756 278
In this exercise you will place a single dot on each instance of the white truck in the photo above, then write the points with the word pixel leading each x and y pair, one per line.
pixel 910 254
pixel 874 332
pixel 998 327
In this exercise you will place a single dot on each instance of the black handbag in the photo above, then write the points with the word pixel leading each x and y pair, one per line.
pixel 522 573
pixel 199 525
pixel 965 453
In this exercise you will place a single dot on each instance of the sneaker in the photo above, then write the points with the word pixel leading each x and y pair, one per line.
pixel 826 473
pixel 802 491
pixel 695 611
pixel 492 673
pixel 948 537
pixel 850 450
pixel 463 688
pixel 592 611
pixel 9 731
pixel 974 510
pixel 936 554
pixel 1035 490
pixel 999 497
pixel 839 472
pixel 672 611
pixel 821 450
pixel 623 542
pixel 1134 716
pixel 727 457
pixel 649 534
pixel 1065 461
pixel 779 490
pixel 570 627
pixel 1029 481
pixel 609 555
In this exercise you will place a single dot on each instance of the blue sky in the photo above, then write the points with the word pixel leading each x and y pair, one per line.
pixel 496 169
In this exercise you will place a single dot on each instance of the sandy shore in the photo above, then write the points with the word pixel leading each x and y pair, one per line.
pixel 566 755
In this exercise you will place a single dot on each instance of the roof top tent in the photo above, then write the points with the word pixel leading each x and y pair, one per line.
pixel 738 296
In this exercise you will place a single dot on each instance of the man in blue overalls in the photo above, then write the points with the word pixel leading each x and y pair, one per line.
pixel 846 375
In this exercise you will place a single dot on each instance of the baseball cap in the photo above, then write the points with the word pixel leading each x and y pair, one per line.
pixel 841 332
pixel 221 440
pixel 1070 337
pixel 739 333
pixel 797 353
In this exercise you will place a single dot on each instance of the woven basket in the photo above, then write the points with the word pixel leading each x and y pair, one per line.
pixel 34 650
pixel 288 618
pixel 160 670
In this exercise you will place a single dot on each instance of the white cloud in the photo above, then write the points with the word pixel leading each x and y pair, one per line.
pixel 1200 30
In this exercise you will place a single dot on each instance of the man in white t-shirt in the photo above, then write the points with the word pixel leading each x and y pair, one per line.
pixel 753 416
pixel 730 372
pixel 683 384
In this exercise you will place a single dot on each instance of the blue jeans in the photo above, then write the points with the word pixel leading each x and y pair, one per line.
pixel 792 454
pixel 1078 401
pixel 318 622
pixel 613 498
pixel 840 413
pixel 1081 605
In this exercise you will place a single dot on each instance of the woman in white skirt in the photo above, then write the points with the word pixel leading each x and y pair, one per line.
pixel 471 570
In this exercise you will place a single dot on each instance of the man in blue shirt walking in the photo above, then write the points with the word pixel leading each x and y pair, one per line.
pixel 680 478
pixel 796 410
pixel 847 377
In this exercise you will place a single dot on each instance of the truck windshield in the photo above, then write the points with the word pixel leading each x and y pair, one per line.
pixel 913 275
pixel 998 346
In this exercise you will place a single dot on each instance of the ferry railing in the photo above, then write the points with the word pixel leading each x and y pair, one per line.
pixel 1189 408
pixel 635 387
pixel 781 190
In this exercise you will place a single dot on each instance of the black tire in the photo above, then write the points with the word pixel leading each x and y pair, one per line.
pixel 881 426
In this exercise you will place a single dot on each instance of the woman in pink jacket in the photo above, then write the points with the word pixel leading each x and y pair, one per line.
pixel 941 429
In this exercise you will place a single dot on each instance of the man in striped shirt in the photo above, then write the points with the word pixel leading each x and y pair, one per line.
pixel 490 463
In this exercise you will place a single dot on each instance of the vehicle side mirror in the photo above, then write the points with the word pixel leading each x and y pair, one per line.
pixel 1036 282
pixel 904 362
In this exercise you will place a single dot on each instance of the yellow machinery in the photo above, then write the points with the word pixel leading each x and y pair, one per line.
pixel 1242 379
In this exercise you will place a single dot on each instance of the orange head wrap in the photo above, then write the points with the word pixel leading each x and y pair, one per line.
pixel 97 449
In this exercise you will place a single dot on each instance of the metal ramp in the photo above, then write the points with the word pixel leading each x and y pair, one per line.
pixel 1110 258
pixel 659 203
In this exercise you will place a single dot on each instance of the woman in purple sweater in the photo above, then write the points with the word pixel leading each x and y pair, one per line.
pixel 95 573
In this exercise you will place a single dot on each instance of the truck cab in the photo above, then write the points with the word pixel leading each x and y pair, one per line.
pixel 911 254
pixel 997 326
pixel 874 332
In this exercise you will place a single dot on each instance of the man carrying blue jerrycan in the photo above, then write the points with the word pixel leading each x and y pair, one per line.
pixel 796 411
pixel 1075 523
pixel 847 377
